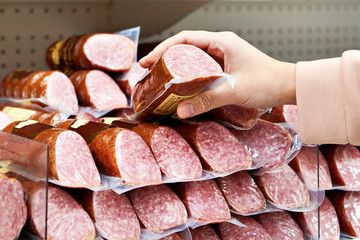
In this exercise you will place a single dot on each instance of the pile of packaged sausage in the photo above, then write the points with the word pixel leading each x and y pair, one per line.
pixel 93 149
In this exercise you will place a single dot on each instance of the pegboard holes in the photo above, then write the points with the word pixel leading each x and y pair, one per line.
pixel 87 10
pixel 46 10
pixel 18 65
pixel 18 51
pixel 17 10
pixel 46 37
pixel 3 65
pixel 33 64
pixel 74 10
pixel 17 38
pixel 3 52
pixel 32 51
pixel 32 37
pixel 2 38
pixel 31 10
pixel 60 10
pixel 2 10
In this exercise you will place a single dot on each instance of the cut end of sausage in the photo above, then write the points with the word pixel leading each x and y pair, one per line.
pixel 74 162
pixel 221 150
pixel 184 60
pixel 174 155
pixel 4 120
pixel 12 208
pixel 104 93
pixel 115 216
pixel 60 93
pixel 136 162
pixel 111 52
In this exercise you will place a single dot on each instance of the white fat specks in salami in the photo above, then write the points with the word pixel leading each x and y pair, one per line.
pixel 220 149
pixel 284 188
pixel 305 164
pixel 205 201
pixel 74 163
pixel 280 225
pixel 291 113
pixel 186 60
pixel 241 193
pixel 329 224
pixel 174 155
pixel 158 207
pixel 266 142
pixel 134 158
pixel 252 231
pixel 115 215
pixel 110 51
pixel 204 233
pixel 103 92
pixel 4 120
pixel 66 218
pixel 12 208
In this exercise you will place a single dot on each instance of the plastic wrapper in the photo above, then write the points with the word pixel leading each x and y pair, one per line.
pixel 344 164
pixel 70 160
pixel 284 190
pixel 283 114
pixel 347 205
pixel 329 224
pixel 270 145
pixel 50 88
pixel 21 110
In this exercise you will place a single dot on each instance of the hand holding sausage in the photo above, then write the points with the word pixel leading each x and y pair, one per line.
pixel 260 81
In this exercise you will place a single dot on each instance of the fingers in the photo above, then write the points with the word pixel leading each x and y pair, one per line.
pixel 201 103
pixel 196 38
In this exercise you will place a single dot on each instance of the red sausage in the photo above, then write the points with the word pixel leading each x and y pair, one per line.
pixel 204 233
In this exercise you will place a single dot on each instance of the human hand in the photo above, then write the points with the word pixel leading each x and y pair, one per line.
pixel 260 81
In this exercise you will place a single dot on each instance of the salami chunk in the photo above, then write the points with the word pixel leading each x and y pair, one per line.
pixel 4 120
pixel 219 150
pixel 285 113
pixel 112 214
pixel 173 236
pixel 252 231
pixel 284 188
pixel 266 142
pixel 173 154
pixel 12 207
pixel 204 233
pixel 66 219
pixel 344 164
pixel 51 87
pixel 105 51
pixel 128 80
pixel 123 153
pixel 305 165
pixel 158 207
pixel 280 225
pixel 238 116
pixel 241 193
pixel 204 201
pixel 98 90
pixel 347 205
pixel 329 224
pixel 70 160
pixel 193 66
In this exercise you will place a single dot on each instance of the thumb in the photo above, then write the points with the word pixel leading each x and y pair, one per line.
pixel 200 104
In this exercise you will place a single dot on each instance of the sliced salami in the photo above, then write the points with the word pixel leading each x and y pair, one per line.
pixel 4 120
pixel 158 207
pixel 329 224
pixel 12 207
pixel 218 149
pixel 193 66
pixel 305 165
pixel 280 225
pixel 70 160
pixel 66 219
pixel 241 193
pixel 347 205
pixel 105 51
pixel 204 201
pixel 204 233
pixel 344 164
pixel 238 116
pixel 266 142
pixel 123 153
pixel 112 214
pixel 51 87
pixel 285 113
pixel 284 188
pixel 173 154
pixel 98 90
pixel 252 231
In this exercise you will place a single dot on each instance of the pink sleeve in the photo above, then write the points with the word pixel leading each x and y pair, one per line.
pixel 328 99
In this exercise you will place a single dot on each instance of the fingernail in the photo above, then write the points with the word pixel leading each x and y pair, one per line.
pixel 187 110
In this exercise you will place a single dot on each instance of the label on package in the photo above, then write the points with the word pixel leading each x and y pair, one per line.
pixel 169 105
pixel 18 114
